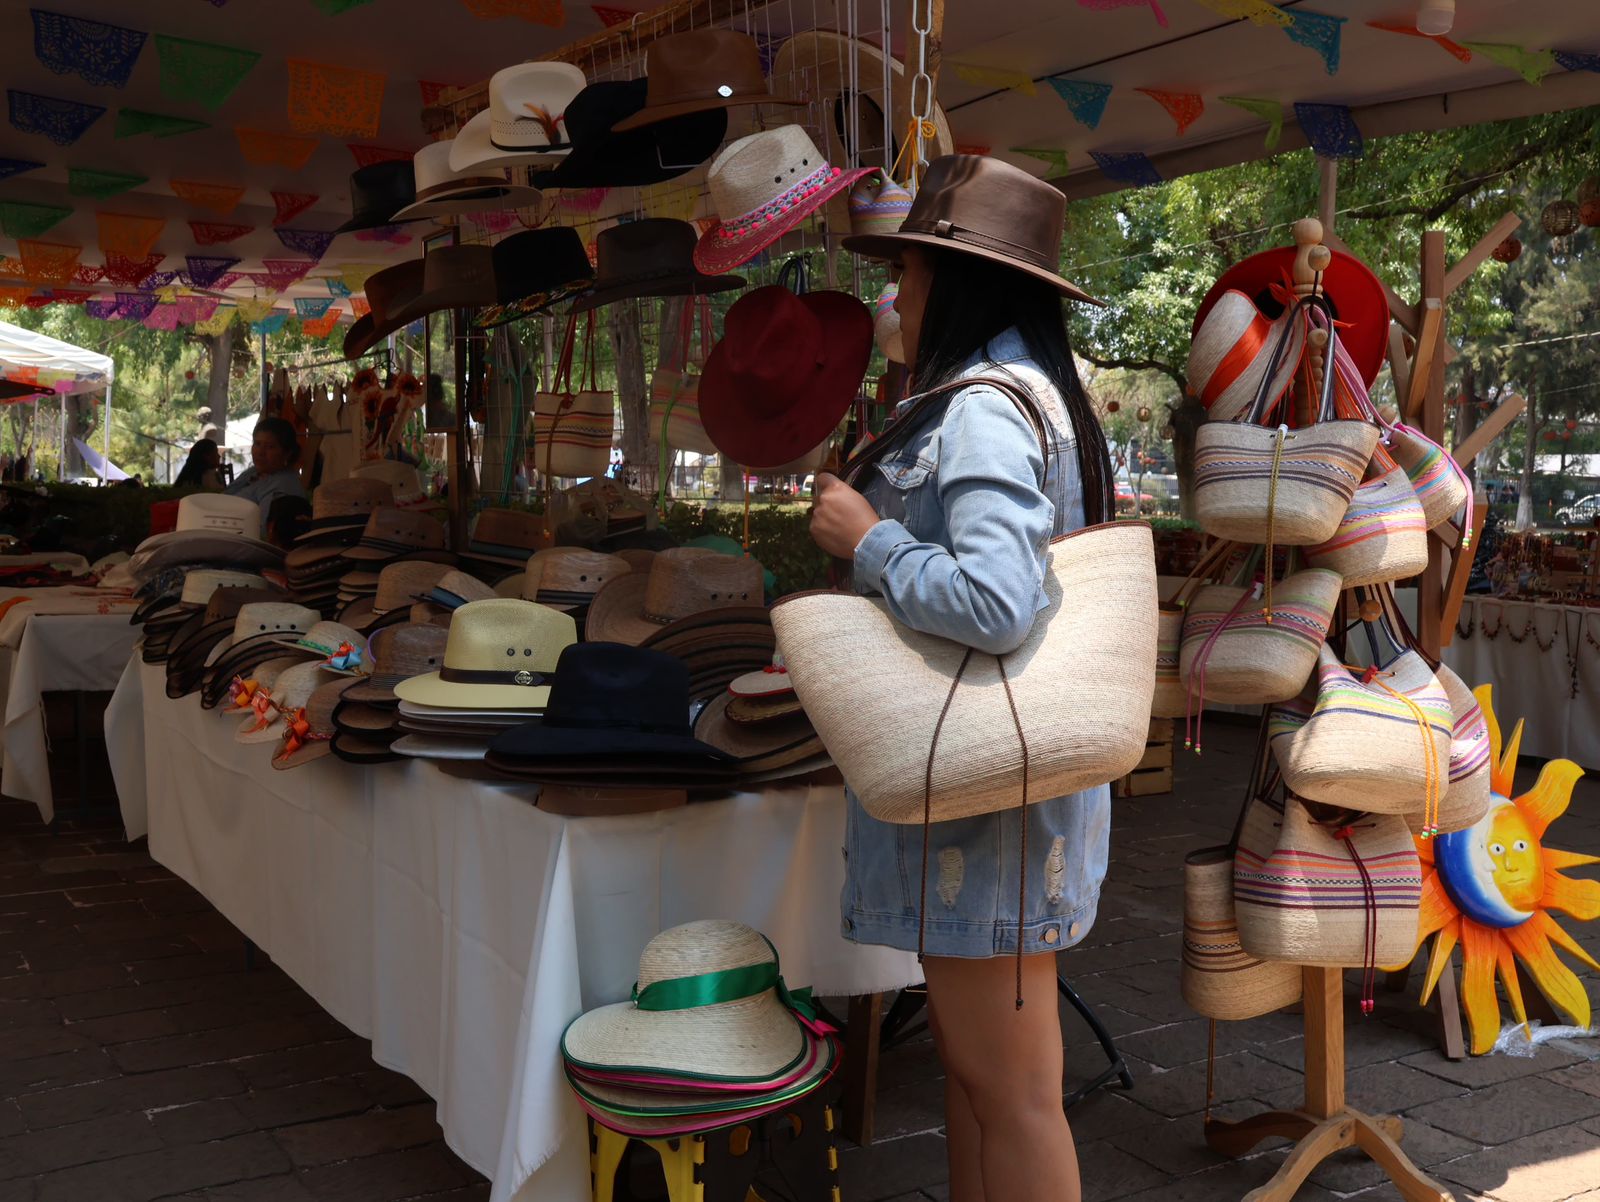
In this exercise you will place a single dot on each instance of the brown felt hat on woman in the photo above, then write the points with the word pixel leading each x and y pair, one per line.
pixel 976 205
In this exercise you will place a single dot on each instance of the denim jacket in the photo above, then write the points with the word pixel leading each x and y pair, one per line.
pixel 968 510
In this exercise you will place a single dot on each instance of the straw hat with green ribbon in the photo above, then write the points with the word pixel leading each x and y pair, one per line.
pixel 710 1005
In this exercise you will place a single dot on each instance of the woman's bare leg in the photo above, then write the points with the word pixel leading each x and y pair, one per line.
pixel 963 1144
pixel 1007 1065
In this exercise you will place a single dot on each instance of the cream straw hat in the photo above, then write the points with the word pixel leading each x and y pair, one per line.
pixel 501 654
pixel 668 1027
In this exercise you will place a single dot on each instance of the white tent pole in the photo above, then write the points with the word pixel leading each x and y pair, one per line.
pixel 61 464
pixel 106 440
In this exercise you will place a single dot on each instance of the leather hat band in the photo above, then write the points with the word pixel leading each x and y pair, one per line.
pixel 958 233
pixel 473 676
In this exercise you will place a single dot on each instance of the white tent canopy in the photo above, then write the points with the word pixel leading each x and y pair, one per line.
pixel 53 365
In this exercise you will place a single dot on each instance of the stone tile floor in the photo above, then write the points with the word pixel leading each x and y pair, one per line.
pixel 141 1057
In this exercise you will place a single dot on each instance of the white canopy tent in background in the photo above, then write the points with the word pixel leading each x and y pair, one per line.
pixel 59 368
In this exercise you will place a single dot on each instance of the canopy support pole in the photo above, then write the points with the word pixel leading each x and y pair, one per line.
pixel 105 435
pixel 61 464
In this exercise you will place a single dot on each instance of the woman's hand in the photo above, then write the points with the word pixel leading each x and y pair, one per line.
pixel 840 516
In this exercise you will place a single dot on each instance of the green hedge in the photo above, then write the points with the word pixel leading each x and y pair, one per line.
pixel 97 517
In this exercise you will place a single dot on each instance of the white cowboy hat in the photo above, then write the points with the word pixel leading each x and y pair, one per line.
pixel 524 120
pixel 442 192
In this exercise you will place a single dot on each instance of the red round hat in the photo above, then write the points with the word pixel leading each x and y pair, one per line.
pixel 1354 293
pixel 784 374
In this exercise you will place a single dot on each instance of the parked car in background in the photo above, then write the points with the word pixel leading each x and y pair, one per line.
pixel 1125 498
pixel 1581 512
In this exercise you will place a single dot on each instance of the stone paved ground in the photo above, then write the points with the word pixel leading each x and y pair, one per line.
pixel 140 1057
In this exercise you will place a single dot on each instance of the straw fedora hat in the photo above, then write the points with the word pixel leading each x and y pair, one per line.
pixel 442 192
pixel 258 631
pixel 377 192
pixel 534 270
pixel 198 585
pixel 341 506
pixel 403 479
pixel 263 678
pixel 525 121
pixel 308 733
pixel 292 690
pixel 506 536
pixel 388 293
pixel 977 205
pixel 683 581
pixel 603 158
pixel 762 186
pixel 499 653
pixel 399 653
pixel 1231 352
pixel 759 747
pixel 390 533
pixel 650 257
pixel 399 584
pixel 454 589
pixel 328 640
pixel 698 71
pixel 785 373
pixel 752 1037
pixel 565 578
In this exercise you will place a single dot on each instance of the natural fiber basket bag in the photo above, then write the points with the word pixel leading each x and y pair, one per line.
pixel 675 389
pixel 1382 537
pixel 1172 696
pixel 1341 894
pixel 926 729
pixel 1380 745
pixel 1231 352
pixel 1232 653
pixel 1219 978
pixel 1257 484
pixel 1467 798
pixel 572 427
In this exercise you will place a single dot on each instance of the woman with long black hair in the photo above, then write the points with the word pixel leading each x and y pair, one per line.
pixel 952 528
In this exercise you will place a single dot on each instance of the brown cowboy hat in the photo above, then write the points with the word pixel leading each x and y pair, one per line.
pixel 698 71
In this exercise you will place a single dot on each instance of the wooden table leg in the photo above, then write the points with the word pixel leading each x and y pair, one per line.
pixel 860 1072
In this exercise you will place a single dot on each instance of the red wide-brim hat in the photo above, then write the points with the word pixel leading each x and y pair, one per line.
pixel 1356 296
pixel 720 249
pixel 772 422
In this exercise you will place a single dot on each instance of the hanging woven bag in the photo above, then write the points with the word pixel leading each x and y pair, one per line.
pixel 926 729
pixel 1383 535
pixel 572 427
pixel 1341 893
pixel 1234 652
pixel 1231 352
pixel 1274 485
pixel 675 389
pixel 1376 740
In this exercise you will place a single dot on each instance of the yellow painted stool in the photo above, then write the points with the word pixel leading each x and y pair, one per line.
pixel 721 1166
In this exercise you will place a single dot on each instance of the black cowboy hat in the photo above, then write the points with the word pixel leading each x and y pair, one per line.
pixel 602 159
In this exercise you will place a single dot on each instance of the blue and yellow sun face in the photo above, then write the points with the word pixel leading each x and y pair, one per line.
pixel 1491 888
pixel 1494 870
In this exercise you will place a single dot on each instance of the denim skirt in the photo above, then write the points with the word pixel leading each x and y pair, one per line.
pixel 975 878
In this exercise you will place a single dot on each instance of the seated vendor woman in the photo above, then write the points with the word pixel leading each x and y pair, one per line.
pixel 274 467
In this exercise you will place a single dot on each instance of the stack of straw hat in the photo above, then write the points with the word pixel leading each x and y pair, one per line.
pixel 501 541
pixel 712 1037
pixel 564 578
pixel 366 721
pixel 339 513
pixel 760 722
pixel 399 586
pixel 448 594
pixel 390 535
pixel 500 657
pixel 163 615
pixel 217 652
pixel 212 530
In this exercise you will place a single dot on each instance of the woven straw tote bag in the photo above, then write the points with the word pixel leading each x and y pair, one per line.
pixel 1219 979
pixel 1441 486
pixel 572 427
pixel 1340 893
pixel 1382 537
pixel 1276 485
pixel 1379 742
pixel 925 729
pixel 1231 652
pixel 1171 696
pixel 1231 352
pixel 675 390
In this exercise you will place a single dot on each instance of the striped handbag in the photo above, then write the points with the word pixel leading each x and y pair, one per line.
pixel 1342 892
pixel 1276 485
pixel 1219 979
pixel 1378 742
pixel 1171 697
pixel 1232 651
pixel 1383 535
pixel 572 429
pixel 675 390
pixel 1230 353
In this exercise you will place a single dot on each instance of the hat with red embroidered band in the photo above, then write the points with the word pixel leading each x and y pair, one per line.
pixel 442 192
pixel 972 204
pixel 525 121
pixel 1355 295
pixel 762 186
pixel 785 373
pixel 500 654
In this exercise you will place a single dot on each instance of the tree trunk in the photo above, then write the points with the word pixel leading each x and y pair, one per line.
pixel 1530 451
pixel 220 347
pixel 72 465
pixel 1187 418
pixel 633 394
pixel 1467 415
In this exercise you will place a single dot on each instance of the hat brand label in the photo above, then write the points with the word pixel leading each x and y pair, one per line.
pixel 524 678
pixel 724 90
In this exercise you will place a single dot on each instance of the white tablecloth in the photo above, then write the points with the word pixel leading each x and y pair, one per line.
pixel 460 927
pixel 1533 678
pixel 56 652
